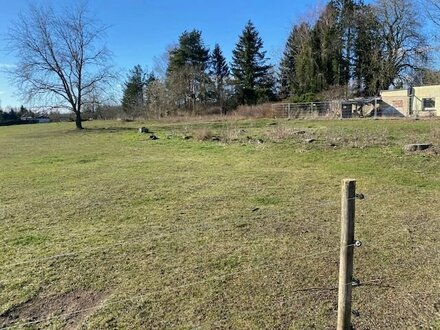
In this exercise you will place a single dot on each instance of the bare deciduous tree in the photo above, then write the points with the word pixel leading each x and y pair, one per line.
pixel 404 48
pixel 159 103
pixel 61 59
pixel 432 10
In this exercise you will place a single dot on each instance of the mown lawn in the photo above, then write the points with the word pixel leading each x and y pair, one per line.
pixel 107 229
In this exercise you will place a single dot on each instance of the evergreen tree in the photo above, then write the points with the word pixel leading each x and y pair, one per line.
pixel 288 78
pixel 252 77
pixel 367 52
pixel 190 51
pixel 219 72
pixel 355 46
pixel 329 48
pixel 426 76
pixel 24 112
pixel 186 73
pixel 133 97
pixel 305 69
pixel 311 58
pixel 318 58
pixel 346 24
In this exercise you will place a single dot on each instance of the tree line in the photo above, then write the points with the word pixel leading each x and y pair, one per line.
pixel 197 78
pixel 347 49
pixel 351 49
pixel 355 49
pixel 16 114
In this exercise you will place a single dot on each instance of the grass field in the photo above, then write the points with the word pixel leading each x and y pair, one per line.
pixel 224 224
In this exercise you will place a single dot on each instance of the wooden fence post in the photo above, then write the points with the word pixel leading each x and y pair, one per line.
pixel 346 256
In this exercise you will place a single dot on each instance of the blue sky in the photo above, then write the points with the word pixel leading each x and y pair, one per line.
pixel 140 30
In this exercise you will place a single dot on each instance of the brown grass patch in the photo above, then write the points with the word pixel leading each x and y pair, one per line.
pixel 256 111
pixel 283 133
pixel 203 134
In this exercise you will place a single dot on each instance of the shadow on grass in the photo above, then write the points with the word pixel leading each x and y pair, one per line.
pixel 87 131
pixel 105 130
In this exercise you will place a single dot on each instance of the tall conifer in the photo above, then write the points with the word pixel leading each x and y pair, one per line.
pixel 219 72
pixel 252 77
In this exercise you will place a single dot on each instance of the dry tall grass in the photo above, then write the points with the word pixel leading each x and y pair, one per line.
pixel 256 111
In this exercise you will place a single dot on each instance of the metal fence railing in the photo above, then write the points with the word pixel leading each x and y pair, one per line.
pixel 330 109
pixel 354 108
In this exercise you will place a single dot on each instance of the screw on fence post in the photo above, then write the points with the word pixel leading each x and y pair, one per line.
pixel 346 256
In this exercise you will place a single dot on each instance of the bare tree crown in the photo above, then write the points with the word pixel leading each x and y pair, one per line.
pixel 61 59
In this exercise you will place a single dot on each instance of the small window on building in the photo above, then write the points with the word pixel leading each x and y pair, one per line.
pixel 428 104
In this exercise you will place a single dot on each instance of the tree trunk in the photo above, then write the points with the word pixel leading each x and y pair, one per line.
pixel 78 121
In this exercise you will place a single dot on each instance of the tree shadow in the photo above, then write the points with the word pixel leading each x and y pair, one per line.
pixel 112 129
pixel 109 129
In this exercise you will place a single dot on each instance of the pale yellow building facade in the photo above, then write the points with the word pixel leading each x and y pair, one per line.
pixel 423 101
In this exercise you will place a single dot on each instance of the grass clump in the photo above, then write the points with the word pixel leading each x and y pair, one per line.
pixel 203 134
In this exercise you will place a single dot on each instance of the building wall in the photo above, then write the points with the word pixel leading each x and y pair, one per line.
pixel 404 102
pixel 395 103
pixel 426 92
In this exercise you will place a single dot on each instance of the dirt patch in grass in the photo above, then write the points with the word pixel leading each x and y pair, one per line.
pixel 72 308
pixel 431 151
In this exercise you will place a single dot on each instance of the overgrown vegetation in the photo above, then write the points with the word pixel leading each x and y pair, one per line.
pixel 105 228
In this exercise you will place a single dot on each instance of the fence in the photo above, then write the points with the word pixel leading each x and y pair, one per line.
pixel 387 107
pixel 330 109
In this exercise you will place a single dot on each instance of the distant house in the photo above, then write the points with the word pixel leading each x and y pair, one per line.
pixel 42 119
pixel 36 120
pixel 423 101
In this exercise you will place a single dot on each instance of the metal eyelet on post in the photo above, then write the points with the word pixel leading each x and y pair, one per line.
pixel 355 282
pixel 360 196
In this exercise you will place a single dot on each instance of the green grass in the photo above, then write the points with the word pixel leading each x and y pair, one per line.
pixel 235 233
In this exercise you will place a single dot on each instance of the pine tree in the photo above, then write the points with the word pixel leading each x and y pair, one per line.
pixel 219 72
pixel 367 52
pixel 305 66
pixel 191 51
pixel 133 97
pixel 186 73
pixel 329 48
pixel 288 76
pixel 345 18
pixel 319 57
pixel 251 75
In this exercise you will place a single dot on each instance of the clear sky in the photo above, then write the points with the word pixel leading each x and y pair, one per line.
pixel 140 30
